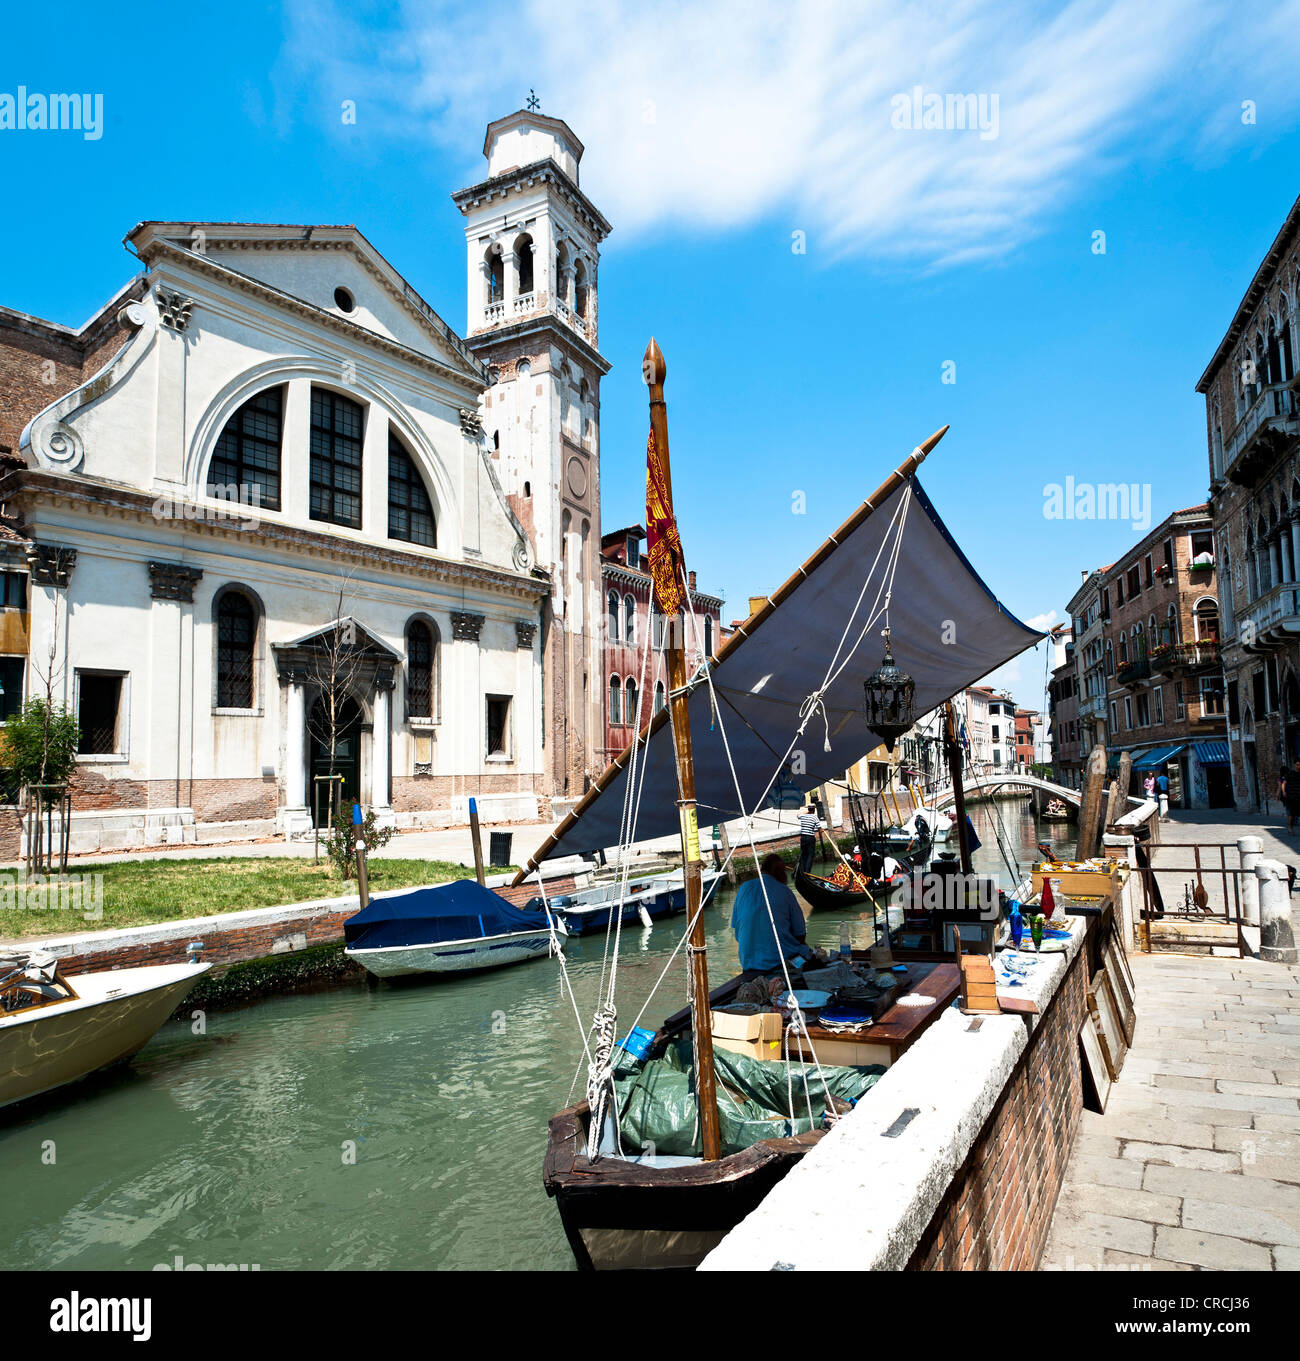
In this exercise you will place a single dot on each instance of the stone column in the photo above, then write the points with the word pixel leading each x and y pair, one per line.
pixel 379 746
pixel 510 283
pixel 566 286
pixel 295 817
pixel 1276 937
pixel 1251 848
pixel 1284 547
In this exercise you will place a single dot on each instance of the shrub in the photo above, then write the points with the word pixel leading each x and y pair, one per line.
pixel 340 843
pixel 38 745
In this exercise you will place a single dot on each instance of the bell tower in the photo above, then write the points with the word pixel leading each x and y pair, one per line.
pixel 533 252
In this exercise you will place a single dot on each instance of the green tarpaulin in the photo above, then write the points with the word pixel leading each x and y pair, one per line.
pixel 657 1106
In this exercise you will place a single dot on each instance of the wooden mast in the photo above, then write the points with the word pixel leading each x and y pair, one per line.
pixel 655 371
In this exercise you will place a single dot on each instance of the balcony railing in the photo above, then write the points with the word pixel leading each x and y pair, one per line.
pixel 1269 419
pixel 1094 706
pixel 1173 657
pixel 1137 669
pixel 1272 618
pixel 494 311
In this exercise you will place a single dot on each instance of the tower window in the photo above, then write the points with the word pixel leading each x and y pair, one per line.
pixel 335 459
pixel 524 255
pixel 496 278
pixel 245 464
pixel 410 511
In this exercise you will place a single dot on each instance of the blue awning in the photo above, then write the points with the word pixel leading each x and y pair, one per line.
pixel 1211 753
pixel 1157 756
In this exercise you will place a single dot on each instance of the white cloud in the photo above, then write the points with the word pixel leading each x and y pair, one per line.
pixel 716 115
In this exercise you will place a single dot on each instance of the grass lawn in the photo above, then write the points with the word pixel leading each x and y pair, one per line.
pixel 138 892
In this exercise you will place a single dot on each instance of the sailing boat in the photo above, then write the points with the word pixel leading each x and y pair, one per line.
pixel 670 1204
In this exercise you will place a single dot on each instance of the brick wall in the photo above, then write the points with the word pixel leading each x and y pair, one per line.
pixel 218 800
pixel 421 793
pixel 998 1210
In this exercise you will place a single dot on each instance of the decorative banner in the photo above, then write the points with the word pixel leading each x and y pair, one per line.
pixel 667 563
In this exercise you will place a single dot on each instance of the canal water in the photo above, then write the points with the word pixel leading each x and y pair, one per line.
pixel 383 1126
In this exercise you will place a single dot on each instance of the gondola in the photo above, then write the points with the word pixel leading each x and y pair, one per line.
pixel 629 1197
pixel 840 893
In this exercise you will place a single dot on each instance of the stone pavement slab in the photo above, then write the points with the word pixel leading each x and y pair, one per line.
pixel 1207 1112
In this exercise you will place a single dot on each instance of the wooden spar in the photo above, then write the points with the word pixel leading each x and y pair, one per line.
pixel 679 707
pixel 958 788
pixel 786 589
pixel 478 840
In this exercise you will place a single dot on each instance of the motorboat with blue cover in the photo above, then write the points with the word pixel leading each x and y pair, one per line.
pixel 449 928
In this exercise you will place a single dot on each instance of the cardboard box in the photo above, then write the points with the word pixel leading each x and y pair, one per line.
pixel 762 1025
pixel 755 1049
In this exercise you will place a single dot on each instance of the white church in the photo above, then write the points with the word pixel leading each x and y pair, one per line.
pixel 294 526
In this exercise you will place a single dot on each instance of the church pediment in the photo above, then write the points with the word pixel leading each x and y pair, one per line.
pixel 334 271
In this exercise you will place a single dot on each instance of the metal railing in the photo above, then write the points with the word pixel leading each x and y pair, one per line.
pixel 1192 884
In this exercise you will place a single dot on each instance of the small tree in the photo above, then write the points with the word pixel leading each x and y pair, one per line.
pixel 340 844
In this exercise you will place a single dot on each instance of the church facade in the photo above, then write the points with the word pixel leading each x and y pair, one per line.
pixel 283 530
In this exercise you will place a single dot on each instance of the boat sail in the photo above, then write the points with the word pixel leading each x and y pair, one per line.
pixel 718 751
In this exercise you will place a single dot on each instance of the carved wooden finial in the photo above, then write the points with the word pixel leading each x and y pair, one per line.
pixel 653 368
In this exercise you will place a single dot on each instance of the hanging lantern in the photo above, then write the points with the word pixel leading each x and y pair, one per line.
pixel 891 699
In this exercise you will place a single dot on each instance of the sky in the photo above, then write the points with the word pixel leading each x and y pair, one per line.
pixel 830 278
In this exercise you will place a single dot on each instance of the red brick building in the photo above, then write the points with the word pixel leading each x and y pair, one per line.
pixel 1164 678
pixel 626 595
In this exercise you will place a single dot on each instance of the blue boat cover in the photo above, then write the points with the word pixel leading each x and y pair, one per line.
pixel 461 910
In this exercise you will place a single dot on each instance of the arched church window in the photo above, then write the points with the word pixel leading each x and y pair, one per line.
pixel 336 424
pixel 421 665
pixel 236 629
pixel 615 700
pixel 410 511
pixel 245 464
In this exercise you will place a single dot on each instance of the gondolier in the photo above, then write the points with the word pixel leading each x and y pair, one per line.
pixel 809 825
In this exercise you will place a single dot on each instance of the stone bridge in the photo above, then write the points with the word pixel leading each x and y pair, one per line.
pixel 986 783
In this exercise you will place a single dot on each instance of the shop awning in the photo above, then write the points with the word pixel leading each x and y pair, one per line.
pixel 1157 756
pixel 1211 753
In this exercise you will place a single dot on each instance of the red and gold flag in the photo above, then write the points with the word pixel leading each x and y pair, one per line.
pixel 663 543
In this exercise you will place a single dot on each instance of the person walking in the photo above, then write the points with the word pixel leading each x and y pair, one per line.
pixel 1288 786
pixel 809 823
pixel 1149 786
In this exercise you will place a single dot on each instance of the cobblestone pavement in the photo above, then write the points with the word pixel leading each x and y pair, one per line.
pixel 1196 1162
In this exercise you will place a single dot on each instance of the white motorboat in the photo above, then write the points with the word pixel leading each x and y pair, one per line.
pixel 55 1029
pixel 648 896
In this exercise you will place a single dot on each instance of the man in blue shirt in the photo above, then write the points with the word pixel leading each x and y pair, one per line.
pixel 761 951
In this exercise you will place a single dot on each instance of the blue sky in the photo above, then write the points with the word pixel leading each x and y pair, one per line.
pixel 713 133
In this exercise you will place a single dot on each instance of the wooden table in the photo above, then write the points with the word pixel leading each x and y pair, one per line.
pixel 897 1030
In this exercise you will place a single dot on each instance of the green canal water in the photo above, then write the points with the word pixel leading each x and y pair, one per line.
pixel 388 1126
